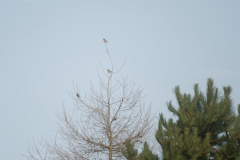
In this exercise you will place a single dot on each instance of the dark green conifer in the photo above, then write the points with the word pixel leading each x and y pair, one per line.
pixel 147 153
pixel 129 152
pixel 205 126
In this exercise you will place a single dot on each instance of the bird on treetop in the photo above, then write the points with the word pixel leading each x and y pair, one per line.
pixel 105 41
pixel 109 71
pixel 78 96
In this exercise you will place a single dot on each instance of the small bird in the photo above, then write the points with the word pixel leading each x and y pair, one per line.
pixel 105 41
pixel 78 96
pixel 109 71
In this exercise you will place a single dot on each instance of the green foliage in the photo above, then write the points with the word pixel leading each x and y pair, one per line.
pixel 129 152
pixel 205 126
pixel 147 153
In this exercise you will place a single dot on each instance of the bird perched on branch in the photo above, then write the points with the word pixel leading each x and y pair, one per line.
pixel 109 71
pixel 105 41
pixel 78 96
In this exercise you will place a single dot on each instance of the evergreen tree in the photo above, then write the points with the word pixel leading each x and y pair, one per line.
pixel 147 153
pixel 130 153
pixel 205 126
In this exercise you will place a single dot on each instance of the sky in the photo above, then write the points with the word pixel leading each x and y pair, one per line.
pixel 49 46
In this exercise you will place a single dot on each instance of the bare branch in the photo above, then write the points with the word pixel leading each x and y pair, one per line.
pixel 101 121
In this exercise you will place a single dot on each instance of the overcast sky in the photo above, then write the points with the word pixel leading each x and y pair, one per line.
pixel 46 46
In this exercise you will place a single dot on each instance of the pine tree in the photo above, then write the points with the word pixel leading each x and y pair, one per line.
pixel 129 152
pixel 205 126
pixel 147 153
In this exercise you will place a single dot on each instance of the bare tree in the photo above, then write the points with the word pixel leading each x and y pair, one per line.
pixel 37 151
pixel 101 121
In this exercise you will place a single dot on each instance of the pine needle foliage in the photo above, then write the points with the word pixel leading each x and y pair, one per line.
pixel 205 126
pixel 147 153
pixel 130 153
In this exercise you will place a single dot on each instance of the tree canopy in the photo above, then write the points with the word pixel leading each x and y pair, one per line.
pixel 100 122
pixel 206 126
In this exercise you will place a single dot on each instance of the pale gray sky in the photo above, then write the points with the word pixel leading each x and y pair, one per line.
pixel 47 45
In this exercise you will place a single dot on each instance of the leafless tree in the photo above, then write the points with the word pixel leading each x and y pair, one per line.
pixel 101 121
pixel 36 151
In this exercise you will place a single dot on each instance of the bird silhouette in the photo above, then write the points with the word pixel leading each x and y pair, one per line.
pixel 109 71
pixel 78 96
pixel 105 41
